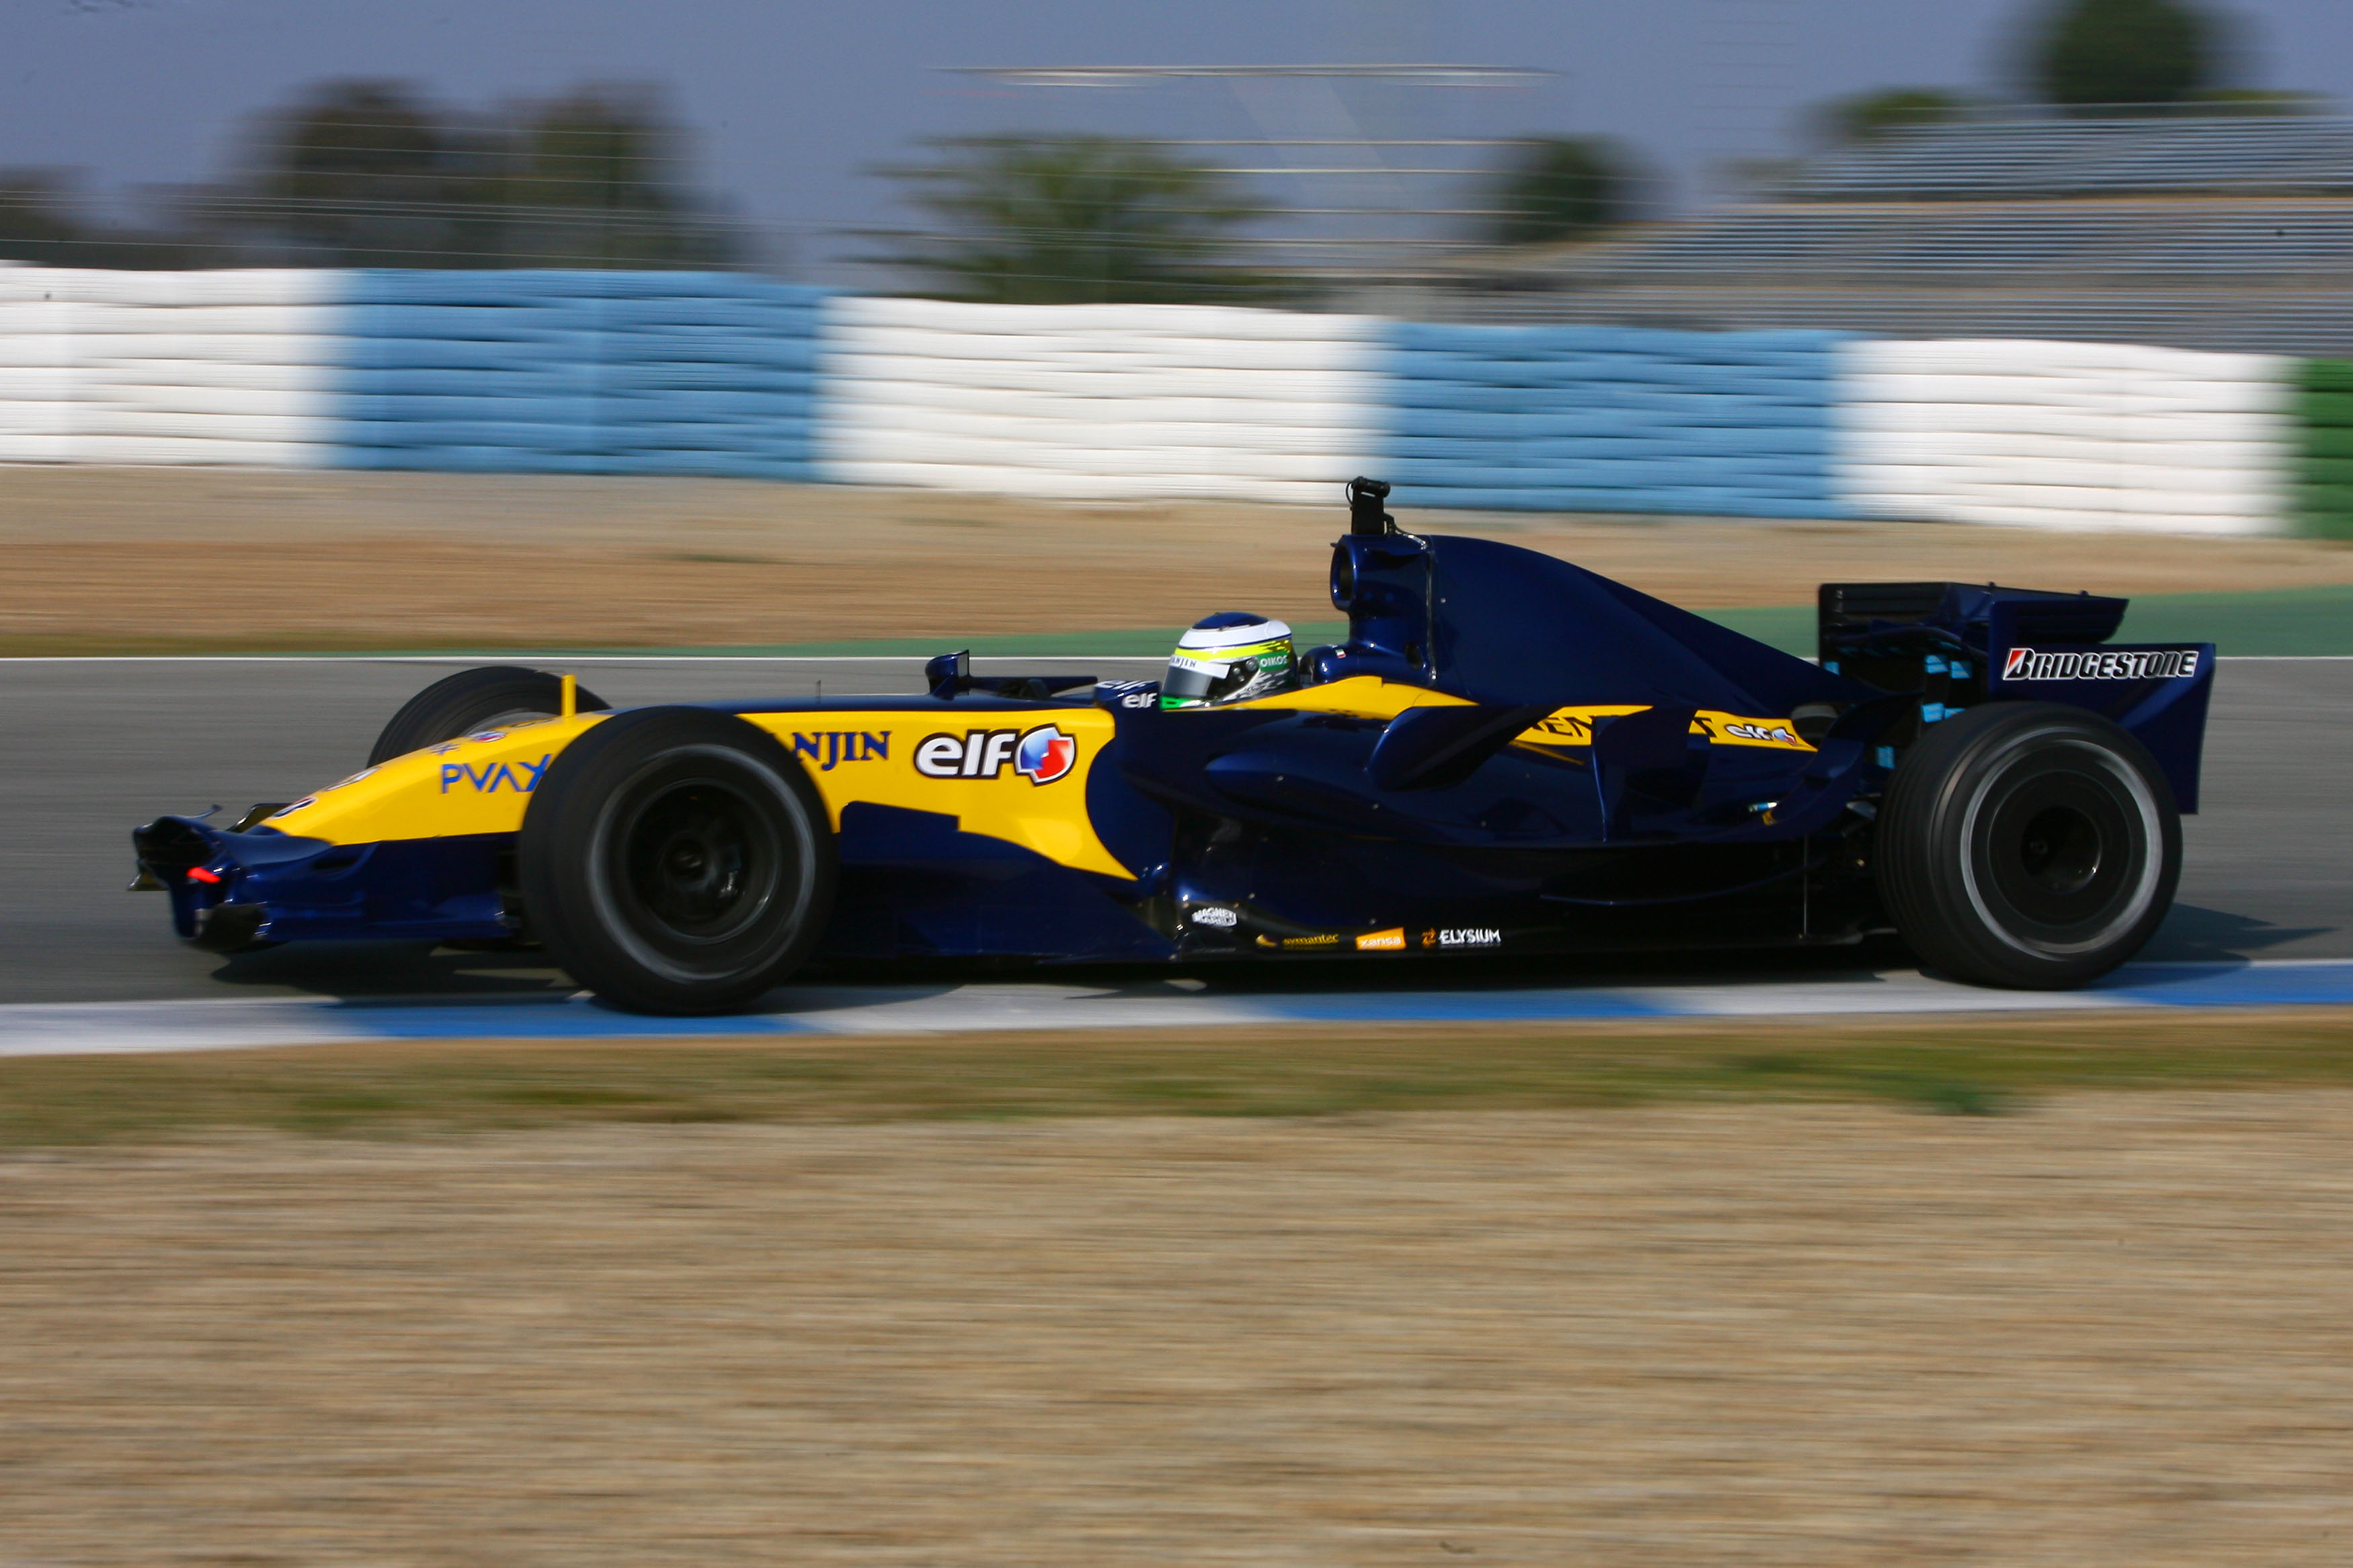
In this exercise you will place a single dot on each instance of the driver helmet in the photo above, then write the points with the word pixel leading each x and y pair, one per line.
pixel 1228 657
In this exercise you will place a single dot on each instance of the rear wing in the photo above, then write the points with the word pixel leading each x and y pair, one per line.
pixel 1955 645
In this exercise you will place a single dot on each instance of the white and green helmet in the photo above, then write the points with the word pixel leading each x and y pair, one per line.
pixel 1226 659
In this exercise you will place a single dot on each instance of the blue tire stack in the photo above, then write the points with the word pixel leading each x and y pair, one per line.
pixel 577 372
pixel 1612 419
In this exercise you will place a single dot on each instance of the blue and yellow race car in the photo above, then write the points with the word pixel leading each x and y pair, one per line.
pixel 1507 755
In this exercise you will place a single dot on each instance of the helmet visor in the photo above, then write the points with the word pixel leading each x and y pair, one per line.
pixel 1226 675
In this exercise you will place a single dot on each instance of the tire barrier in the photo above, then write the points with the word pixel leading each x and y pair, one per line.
pixel 233 366
pixel 2324 455
pixel 577 372
pixel 2065 434
pixel 732 375
pixel 1612 419
pixel 1098 402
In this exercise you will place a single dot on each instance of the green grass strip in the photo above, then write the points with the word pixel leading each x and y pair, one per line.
pixel 2305 622
pixel 2282 621
pixel 2286 621
pixel 401 1089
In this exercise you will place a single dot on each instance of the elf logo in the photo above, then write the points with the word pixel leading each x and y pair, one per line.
pixel 1040 755
pixel 2101 664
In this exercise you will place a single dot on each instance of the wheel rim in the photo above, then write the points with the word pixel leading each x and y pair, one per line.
pixel 2063 849
pixel 700 861
pixel 2060 849
pixel 700 867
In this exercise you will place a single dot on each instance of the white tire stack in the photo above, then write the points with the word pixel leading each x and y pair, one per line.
pixel 228 367
pixel 2065 434
pixel 1097 402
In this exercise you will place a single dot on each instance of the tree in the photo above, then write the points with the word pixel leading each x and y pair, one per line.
pixel 1868 116
pixel 2105 55
pixel 593 184
pixel 44 219
pixel 1062 219
pixel 1561 187
pixel 364 173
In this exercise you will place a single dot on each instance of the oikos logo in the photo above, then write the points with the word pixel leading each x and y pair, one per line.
pixel 1040 755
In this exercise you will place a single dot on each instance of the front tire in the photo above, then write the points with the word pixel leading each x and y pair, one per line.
pixel 476 700
pixel 676 860
pixel 2028 846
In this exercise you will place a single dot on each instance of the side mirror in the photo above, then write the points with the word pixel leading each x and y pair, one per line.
pixel 949 674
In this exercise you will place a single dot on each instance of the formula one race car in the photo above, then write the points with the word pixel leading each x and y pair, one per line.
pixel 1508 754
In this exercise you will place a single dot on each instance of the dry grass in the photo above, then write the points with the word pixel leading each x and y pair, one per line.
pixel 184 561
pixel 2108 1332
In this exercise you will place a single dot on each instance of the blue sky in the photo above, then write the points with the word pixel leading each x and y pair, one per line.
pixel 790 99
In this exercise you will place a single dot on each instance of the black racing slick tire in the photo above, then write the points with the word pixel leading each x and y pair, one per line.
pixel 676 860
pixel 2028 846
pixel 475 699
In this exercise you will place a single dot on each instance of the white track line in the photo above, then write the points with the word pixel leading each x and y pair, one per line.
pixel 1177 1003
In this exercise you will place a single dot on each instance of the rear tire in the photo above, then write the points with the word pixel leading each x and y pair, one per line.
pixel 2028 846
pixel 677 860
pixel 476 700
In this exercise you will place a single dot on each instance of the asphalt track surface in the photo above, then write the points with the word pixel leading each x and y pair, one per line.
pixel 95 746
